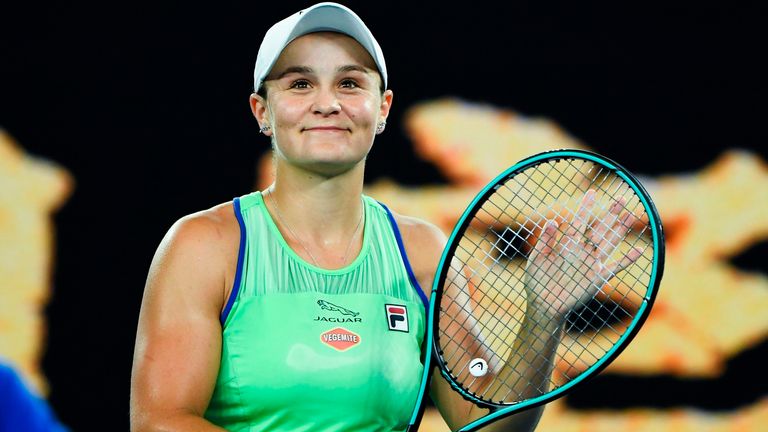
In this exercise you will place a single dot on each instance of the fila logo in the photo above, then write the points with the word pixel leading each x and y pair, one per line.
pixel 397 317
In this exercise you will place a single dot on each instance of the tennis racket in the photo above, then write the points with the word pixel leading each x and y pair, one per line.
pixel 546 278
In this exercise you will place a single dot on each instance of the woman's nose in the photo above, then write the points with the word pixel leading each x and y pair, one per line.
pixel 326 102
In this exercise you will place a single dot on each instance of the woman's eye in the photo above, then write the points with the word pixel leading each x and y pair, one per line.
pixel 300 84
pixel 349 83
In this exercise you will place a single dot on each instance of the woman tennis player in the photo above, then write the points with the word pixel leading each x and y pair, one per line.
pixel 300 307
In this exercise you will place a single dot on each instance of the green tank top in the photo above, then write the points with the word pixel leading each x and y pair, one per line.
pixel 309 349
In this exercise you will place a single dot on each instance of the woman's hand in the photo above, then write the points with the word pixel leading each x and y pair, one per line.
pixel 570 262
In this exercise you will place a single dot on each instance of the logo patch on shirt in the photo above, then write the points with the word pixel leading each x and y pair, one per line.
pixel 397 317
pixel 340 339
pixel 350 315
pixel 332 307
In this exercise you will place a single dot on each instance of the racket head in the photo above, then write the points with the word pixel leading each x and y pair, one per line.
pixel 593 171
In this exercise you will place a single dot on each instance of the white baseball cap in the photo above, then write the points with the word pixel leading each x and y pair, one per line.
pixel 321 17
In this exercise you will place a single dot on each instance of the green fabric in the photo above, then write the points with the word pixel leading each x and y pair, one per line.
pixel 309 349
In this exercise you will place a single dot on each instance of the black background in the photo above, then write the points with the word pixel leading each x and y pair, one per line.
pixel 146 104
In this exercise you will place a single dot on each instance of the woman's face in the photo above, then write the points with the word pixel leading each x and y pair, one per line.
pixel 323 103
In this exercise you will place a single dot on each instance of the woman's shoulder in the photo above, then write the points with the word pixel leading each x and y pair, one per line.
pixel 418 230
pixel 211 236
pixel 423 242
pixel 215 224
pixel 197 255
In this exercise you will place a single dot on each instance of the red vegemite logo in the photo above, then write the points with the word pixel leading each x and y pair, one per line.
pixel 340 338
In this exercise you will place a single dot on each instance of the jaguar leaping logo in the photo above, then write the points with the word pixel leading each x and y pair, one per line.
pixel 332 307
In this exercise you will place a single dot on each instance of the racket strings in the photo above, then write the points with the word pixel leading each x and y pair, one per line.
pixel 490 270
pixel 503 252
pixel 611 191
pixel 619 182
pixel 530 233
pixel 514 366
pixel 517 202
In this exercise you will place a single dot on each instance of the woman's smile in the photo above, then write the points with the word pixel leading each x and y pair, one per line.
pixel 326 129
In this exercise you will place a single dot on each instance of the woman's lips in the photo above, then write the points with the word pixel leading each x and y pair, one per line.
pixel 326 129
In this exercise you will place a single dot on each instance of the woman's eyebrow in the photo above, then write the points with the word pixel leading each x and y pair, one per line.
pixel 309 70
pixel 352 68
pixel 295 69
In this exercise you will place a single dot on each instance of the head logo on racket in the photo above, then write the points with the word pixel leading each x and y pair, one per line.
pixel 478 367
pixel 397 317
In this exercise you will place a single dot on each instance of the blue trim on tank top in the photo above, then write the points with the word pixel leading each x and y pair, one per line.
pixel 240 259
pixel 407 263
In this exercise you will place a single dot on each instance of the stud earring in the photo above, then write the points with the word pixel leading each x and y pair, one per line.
pixel 380 127
pixel 264 129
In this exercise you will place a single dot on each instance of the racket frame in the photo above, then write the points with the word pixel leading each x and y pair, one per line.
pixel 499 411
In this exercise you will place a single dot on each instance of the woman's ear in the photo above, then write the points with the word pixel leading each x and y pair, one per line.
pixel 259 110
pixel 386 105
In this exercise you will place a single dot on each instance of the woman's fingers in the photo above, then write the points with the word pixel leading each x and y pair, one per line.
pixel 579 223
pixel 618 232
pixel 625 261
pixel 548 238
pixel 602 231
pixel 608 232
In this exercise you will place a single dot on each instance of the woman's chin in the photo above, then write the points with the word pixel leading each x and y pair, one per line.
pixel 331 167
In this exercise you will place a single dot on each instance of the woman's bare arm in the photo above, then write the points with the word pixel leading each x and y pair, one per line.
pixel 424 244
pixel 178 343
